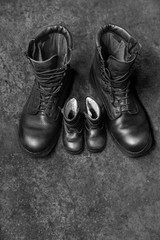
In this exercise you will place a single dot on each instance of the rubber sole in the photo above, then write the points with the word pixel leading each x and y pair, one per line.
pixel 146 148
pixel 80 151
pixel 73 152
pixel 96 150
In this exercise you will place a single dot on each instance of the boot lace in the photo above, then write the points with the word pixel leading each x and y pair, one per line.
pixel 117 89
pixel 49 84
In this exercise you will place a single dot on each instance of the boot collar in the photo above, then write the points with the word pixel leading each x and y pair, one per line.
pixel 117 68
pixel 47 64
pixel 133 45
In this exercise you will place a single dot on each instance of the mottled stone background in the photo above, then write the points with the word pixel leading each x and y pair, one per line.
pixel 105 196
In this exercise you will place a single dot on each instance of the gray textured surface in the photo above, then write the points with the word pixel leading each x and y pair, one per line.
pixel 104 196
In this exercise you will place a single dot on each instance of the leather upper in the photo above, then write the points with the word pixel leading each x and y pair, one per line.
pixel 94 126
pixel 37 133
pixel 116 51
pixel 131 132
pixel 40 122
pixel 73 139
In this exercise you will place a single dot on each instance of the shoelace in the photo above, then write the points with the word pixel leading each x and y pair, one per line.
pixel 49 84
pixel 119 96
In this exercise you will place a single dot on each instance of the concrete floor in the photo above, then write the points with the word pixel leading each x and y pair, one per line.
pixel 105 196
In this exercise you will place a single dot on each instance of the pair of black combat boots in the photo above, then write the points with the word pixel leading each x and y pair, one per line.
pixel 49 53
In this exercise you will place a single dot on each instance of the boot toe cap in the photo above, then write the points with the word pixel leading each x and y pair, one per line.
pixel 74 147
pixel 38 143
pixel 37 136
pixel 136 144
pixel 96 144
pixel 34 144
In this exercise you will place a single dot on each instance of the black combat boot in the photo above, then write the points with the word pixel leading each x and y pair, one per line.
pixel 73 139
pixel 95 132
pixel 116 51
pixel 49 54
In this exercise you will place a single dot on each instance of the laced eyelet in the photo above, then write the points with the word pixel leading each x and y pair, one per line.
pixel 118 96
pixel 49 86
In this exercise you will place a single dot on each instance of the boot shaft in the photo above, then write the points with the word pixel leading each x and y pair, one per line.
pixel 116 51
pixel 93 113
pixel 49 54
pixel 95 133
pixel 72 116
pixel 50 49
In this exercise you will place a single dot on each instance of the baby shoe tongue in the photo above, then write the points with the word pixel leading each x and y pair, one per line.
pixel 117 68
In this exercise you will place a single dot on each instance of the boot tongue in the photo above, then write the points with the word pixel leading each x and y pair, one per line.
pixel 41 66
pixel 49 64
pixel 120 62
pixel 42 61
pixel 116 68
